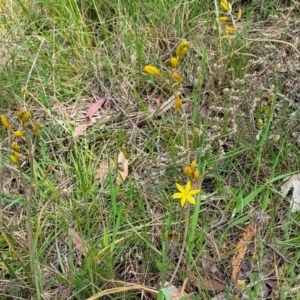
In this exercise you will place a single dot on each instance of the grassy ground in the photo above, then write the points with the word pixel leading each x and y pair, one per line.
pixel 94 235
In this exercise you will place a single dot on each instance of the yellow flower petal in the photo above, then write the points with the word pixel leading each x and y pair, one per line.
pixel 188 186
pixel 182 202
pixel 177 196
pixel 191 200
pixel 179 187
pixel 193 192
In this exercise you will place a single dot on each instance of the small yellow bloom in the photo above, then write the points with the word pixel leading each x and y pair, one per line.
pixel 240 13
pixel 15 146
pixel 174 62
pixel 36 128
pixel 152 70
pixel 229 28
pixel 187 171
pixel 177 103
pixel 223 19
pixel 18 134
pixel 177 77
pixel 196 175
pixel 13 159
pixel 186 194
pixel 26 116
pixel 5 122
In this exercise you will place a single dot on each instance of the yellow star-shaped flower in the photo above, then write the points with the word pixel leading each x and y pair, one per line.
pixel 185 194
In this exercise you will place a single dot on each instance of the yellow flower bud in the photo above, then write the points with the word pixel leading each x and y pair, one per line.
pixel 224 5
pixel 176 236
pixel 276 138
pixel 226 37
pixel 152 70
pixel 182 48
pixel 20 115
pixel 229 28
pixel 187 171
pixel 259 123
pixel 177 77
pixel 174 62
pixel 241 284
pixel 240 13
pixel 223 19
pixel 13 159
pixel 15 146
pixel 26 116
pixel 177 103
pixel 18 134
pixel 5 122
pixel 16 155
pixel 36 128
pixel 196 175
pixel 193 165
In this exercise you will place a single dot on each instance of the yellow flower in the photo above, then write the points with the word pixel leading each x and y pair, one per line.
pixel 240 13
pixel 185 194
pixel 229 28
pixel 177 77
pixel 223 19
pixel 36 128
pixel 5 122
pixel 187 171
pixel 15 147
pixel 18 134
pixel 177 103
pixel 174 62
pixel 13 159
pixel 151 70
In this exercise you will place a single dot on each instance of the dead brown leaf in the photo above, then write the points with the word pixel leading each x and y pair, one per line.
pixel 241 249
pixel 78 242
pixel 102 170
pixel 81 129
